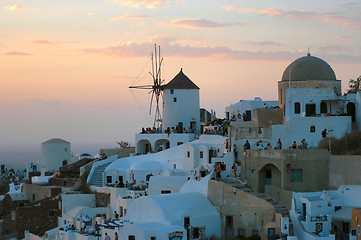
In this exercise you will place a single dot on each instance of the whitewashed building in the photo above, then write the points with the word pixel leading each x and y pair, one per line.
pixel 247 107
pixel 55 153
pixel 325 215
pixel 310 98
pixel 181 117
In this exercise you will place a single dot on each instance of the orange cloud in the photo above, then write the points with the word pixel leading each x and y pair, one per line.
pixel 51 42
pixel 145 3
pixel 172 48
pixel 17 54
pixel 15 7
pixel 196 23
pixel 128 16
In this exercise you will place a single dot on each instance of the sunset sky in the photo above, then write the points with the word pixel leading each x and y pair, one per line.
pixel 65 65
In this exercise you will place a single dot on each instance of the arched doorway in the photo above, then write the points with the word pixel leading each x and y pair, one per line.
pixel 268 175
pixel 144 146
pixel 161 144
pixel 351 110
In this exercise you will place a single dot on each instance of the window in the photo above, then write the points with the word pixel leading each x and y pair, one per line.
pixel 195 233
pixel 346 227
pixel 297 108
pixel 174 166
pixel 255 232
pixel 65 162
pixel 51 213
pixel 310 110
pixel 271 232
pixel 172 91
pixel 312 129
pixel 296 175
pixel 109 179
pixel 188 154
pixel 66 149
pixel 175 99
pixel 179 143
pixel 187 222
pixel 153 238
pixel 229 221
pixel 165 191
pixel 201 154
pixel 323 107
pixel 268 177
pixel 242 232
pixel 131 237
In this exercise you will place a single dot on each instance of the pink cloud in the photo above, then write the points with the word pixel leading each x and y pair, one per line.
pixel 128 16
pixel 196 23
pixel 173 49
pixel 17 54
pixel 145 3
pixel 332 18
pixel 52 42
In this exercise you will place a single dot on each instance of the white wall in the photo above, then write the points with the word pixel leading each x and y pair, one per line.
pixel 298 128
pixel 186 109
pixel 53 154
pixel 173 138
pixel 358 109
pixel 172 183
pixel 335 104
pixel 251 105
pixel 70 201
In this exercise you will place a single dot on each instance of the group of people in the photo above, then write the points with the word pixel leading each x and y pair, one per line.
pixel 303 145
pixel 11 175
pixel 240 117
pixel 260 145
pixel 220 127
pixel 217 130
pixel 218 167
pixel 168 130
pixel 151 130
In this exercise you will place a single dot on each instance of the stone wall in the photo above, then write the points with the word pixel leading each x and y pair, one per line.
pixel 249 213
pixel 344 170
pixel 37 192
pixel 280 164
pixel 37 219
pixel 102 199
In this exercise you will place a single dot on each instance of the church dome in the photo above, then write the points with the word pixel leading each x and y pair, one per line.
pixel 309 68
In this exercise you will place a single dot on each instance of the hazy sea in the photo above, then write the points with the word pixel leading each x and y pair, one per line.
pixel 20 155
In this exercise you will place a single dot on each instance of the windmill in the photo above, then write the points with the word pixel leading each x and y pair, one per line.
pixel 157 88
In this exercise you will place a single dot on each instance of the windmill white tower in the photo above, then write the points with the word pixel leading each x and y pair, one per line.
pixel 181 104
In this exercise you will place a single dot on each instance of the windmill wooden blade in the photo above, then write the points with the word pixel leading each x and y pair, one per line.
pixel 156 89
pixel 151 102
pixel 142 87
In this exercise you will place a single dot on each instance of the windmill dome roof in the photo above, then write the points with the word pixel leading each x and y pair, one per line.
pixel 309 68
pixel 55 140
pixel 180 81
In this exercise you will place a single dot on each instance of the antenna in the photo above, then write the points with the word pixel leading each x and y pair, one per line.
pixel 157 88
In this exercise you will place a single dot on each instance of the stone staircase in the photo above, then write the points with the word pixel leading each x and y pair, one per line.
pixel 280 208
pixel 96 178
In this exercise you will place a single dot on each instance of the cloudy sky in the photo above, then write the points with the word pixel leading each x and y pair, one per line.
pixel 65 65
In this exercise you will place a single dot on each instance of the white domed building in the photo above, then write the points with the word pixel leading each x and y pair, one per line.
pixel 310 96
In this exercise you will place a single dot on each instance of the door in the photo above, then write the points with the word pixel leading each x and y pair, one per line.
pixel 249 115
pixel 310 110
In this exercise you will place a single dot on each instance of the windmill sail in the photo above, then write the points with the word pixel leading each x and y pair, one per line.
pixel 157 88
